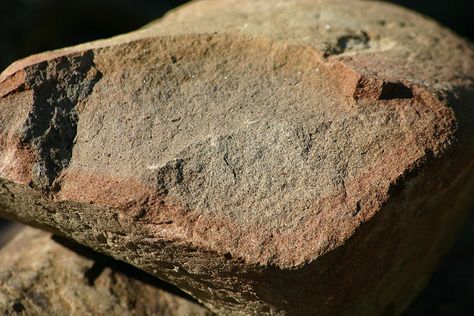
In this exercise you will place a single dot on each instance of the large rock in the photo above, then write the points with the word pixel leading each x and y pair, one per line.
pixel 38 276
pixel 300 157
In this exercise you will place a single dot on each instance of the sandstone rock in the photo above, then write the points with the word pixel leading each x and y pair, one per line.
pixel 41 277
pixel 300 157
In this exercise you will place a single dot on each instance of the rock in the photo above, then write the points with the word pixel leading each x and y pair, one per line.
pixel 38 276
pixel 267 157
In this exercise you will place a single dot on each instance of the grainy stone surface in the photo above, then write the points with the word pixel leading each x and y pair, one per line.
pixel 38 276
pixel 265 156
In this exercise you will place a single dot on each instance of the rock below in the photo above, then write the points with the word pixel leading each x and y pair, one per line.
pixel 41 277
pixel 300 157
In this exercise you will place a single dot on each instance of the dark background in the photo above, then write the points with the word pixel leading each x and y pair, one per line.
pixel 31 26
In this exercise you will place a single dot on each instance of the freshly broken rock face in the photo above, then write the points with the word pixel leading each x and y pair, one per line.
pixel 39 276
pixel 300 157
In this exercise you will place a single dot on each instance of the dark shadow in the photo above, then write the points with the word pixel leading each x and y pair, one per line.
pixel 451 288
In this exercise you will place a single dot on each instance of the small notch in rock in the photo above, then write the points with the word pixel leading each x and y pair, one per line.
pixel 18 307
pixel 357 209
pixel 395 90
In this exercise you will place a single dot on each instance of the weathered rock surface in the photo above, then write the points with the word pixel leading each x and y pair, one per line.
pixel 300 157
pixel 39 276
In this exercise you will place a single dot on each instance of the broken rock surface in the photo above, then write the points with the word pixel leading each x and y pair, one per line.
pixel 264 156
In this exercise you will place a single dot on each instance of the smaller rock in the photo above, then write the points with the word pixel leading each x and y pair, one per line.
pixel 39 276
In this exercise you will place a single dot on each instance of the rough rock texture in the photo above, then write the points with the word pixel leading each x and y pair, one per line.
pixel 39 276
pixel 300 157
